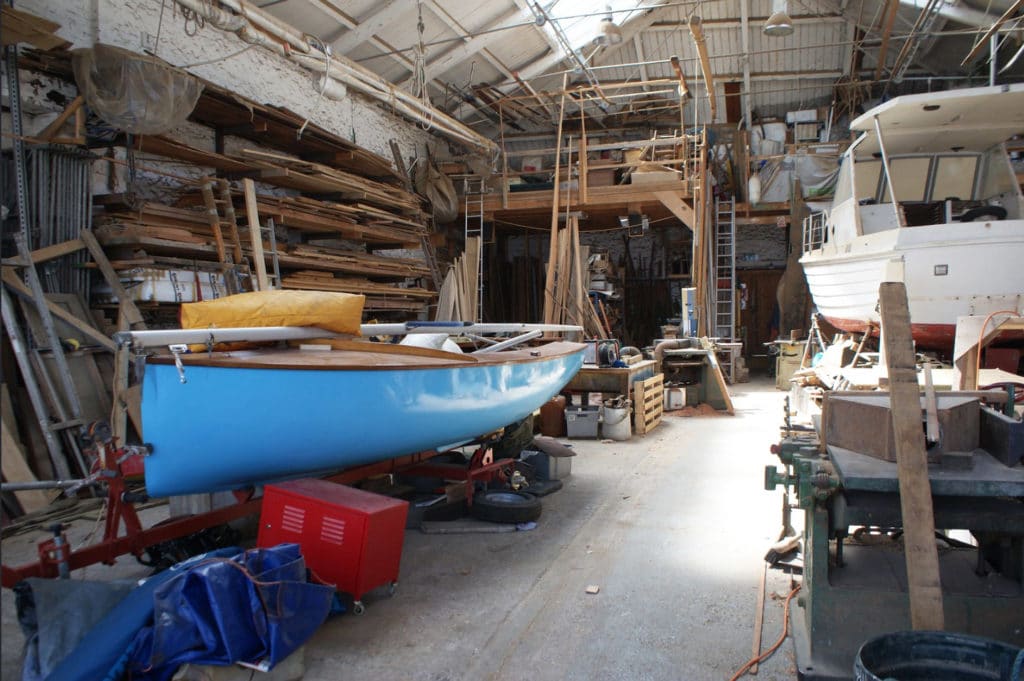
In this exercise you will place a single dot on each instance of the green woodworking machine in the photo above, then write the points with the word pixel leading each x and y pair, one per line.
pixel 842 474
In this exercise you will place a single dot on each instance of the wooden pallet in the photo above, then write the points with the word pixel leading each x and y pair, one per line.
pixel 648 404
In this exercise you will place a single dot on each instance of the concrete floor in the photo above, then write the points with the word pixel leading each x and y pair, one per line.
pixel 672 527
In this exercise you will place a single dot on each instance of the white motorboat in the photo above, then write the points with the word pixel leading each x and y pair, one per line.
pixel 955 232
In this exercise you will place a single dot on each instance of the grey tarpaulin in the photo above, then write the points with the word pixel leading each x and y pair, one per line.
pixel 438 189
pixel 56 613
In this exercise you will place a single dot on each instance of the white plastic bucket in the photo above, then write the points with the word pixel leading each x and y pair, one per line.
pixel 616 424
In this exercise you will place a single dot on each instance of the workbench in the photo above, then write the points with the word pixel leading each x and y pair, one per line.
pixel 611 380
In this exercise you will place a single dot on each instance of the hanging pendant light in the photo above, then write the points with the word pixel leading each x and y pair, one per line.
pixel 610 33
pixel 779 23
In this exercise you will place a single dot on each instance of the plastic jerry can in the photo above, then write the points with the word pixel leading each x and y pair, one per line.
pixel 552 417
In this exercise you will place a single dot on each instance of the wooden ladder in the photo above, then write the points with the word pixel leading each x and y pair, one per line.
pixel 219 223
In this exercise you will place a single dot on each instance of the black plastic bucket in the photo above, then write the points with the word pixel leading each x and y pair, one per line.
pixel 935 656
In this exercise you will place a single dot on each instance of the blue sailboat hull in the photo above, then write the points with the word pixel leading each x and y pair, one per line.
pixel 230 427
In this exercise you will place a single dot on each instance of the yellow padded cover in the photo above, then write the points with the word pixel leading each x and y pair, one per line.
pixel 337 312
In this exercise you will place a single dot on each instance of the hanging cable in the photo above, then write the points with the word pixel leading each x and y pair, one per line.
pixel 159 28
pixel 420 67
pixel 324 80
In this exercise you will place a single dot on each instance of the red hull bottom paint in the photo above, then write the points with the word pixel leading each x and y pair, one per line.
pixel 938 337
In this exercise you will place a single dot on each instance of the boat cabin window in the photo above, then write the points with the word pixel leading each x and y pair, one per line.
pixel 997 176
pixel 866 178
pixel 954 178
pixel 844 187
pixel 909 178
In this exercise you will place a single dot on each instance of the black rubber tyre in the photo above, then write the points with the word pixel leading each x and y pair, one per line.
pixel 506 506
pixel 542 488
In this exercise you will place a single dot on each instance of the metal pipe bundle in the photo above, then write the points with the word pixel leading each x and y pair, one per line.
pixel 60 207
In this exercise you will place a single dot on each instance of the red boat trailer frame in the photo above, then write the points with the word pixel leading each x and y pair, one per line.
pixel 56 557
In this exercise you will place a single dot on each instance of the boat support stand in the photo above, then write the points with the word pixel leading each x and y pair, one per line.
pixel 114 466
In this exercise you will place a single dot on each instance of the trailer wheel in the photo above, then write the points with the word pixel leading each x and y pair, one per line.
pixel 506 506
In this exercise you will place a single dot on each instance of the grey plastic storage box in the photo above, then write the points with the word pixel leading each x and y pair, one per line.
pixel 581 422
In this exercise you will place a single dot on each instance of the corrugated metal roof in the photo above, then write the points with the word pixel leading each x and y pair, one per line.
pixel 786 72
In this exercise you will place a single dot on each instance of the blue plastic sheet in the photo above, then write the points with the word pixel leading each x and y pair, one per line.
pixel 254 606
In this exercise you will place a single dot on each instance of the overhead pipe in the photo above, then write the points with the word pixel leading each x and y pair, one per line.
pixel 265 22
pixel 959 13
pixel 697 31
pixel 402 102
pixel 671 344
pixel 256 27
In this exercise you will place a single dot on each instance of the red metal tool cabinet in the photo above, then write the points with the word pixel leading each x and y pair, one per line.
pixel 349 538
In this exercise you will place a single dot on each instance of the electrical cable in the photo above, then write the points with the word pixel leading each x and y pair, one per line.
pixel 217 59
pixel 159 28
pixel 981 337
pixel 771 651
pixel 325 79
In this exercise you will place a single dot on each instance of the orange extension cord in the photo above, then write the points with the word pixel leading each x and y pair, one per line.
pixel 768 653
pixel 981 337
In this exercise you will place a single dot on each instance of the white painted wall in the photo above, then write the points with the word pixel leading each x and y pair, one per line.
pixel 256 73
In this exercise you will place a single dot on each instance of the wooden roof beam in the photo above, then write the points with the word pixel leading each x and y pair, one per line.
pixel 887 23
pixel 705 63
pixel 386 12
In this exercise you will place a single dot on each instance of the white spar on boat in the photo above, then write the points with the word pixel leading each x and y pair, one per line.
pixel 165 337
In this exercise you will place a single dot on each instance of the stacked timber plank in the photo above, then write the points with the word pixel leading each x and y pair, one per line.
pixel 156 229
pixel 348 221
pixel 459 298
pixel 277 127
pixel 348 207
pixel 566 299
pixel 316 178
pixel 379 297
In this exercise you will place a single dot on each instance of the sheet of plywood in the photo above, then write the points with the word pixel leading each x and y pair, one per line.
pixel 12 456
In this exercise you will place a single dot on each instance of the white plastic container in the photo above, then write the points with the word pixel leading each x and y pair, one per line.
pixel 675 398
pixel 616 424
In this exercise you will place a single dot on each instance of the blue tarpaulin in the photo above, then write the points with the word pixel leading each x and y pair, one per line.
pixel 254 606
pixel 103 652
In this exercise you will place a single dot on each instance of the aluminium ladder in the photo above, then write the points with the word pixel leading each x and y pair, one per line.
pixel 725 269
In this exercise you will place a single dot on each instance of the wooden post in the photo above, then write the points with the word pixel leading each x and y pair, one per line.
pixel 119 412
pixel 584 169
pixel 922 556
pixel 255 235
pixel 131 312
pixel 504 155
pixel 549 279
